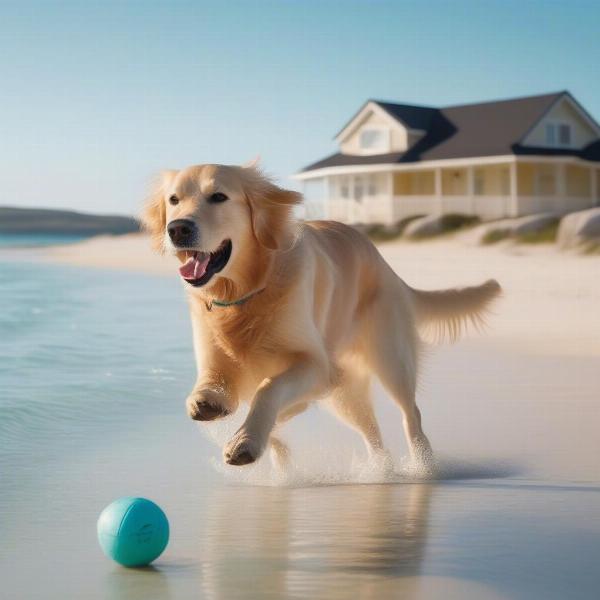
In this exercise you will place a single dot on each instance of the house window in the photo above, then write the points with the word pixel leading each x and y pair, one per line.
pixel 344 188
pixel 558 134
pixel 564 135
pixel 374 140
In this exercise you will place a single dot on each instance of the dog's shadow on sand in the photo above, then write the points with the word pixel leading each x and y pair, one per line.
pixel 456 470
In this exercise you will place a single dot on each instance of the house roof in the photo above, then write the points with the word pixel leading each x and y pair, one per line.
pixel 413 117
pixel 464 131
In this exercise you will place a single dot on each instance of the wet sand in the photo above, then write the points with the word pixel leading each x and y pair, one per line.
pixel 513 416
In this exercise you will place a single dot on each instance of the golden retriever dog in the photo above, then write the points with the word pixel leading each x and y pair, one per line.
pixel 286 312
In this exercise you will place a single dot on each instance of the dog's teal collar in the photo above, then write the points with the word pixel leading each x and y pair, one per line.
pixel 237 302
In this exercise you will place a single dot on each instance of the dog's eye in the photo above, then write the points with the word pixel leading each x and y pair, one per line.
pixel 217 197
pixel 173 200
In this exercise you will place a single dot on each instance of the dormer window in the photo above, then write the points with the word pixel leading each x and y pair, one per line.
pixel 558 135
pixel 564 135
pixel 375 140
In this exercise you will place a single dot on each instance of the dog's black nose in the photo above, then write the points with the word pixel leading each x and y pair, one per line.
pixel 182 232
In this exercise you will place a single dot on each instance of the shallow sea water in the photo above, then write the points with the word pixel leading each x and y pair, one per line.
pixel 94 369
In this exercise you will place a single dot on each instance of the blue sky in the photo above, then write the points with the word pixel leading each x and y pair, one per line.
pixel 96 97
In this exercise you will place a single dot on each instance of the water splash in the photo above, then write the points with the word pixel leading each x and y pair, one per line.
pixel 336 464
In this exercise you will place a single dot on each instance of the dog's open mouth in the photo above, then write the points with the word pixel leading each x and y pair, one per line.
pixel 201 266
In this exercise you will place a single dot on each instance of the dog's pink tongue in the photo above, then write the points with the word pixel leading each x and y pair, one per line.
pixel 194 267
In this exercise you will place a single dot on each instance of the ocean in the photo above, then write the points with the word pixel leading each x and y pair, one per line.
pixel 37 240
pixel 94 369
pixel 82 354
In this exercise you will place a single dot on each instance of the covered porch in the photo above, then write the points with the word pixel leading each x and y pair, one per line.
pixel 491 190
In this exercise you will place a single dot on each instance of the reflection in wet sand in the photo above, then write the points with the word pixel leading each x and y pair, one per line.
pixel 147 582
pixel 343 541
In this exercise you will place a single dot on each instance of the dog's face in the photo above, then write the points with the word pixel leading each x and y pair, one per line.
pixel 219 221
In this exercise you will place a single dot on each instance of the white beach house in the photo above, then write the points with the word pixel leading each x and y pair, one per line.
pixel 493 159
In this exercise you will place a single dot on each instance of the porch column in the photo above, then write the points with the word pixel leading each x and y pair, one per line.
pixel 561 182
pixel 438 190
pixel 593 186
pixel 389 179
pixel 514 192
pixel 471 187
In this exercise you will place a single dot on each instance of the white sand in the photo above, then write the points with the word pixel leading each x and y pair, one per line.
pixel 513 417
pixel 550 302
pixel 130 252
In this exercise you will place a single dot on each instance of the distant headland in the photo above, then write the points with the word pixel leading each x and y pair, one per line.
pixel 15 220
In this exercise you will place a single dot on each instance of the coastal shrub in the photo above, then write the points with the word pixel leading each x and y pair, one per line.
pixel 435 225
pixel 492 236
pixel 403 223
pixel 546 235
pixel 591 247
pixel 456 221
pixel 383 233
pixel 447 224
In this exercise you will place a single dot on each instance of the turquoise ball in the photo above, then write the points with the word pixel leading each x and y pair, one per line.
pixel 133 531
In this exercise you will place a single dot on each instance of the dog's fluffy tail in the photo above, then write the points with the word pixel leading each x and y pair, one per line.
pixel 446 313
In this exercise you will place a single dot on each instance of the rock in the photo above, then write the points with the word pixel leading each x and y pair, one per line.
pixel 579 228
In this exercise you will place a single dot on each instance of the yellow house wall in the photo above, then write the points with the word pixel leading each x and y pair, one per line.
pixel 537 179
pixel 495 180
pixel 578 181
pixel 525 179
pixel 417 183
pixel 581 133
pixel 454 182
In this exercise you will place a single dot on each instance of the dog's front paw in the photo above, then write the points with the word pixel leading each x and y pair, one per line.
pixel 242 449
pixel 206 405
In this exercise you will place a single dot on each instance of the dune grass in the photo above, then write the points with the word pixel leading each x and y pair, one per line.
pixel 450 223
pixel 495 235
pixel 591 248
pixel 547 235
pixel 386 233
pixel 455 222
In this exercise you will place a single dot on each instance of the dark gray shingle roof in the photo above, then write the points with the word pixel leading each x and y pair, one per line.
pixel 470 130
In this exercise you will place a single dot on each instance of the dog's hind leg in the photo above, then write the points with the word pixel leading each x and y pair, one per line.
pixel 391 347
pixel 351 402
pixel 280 453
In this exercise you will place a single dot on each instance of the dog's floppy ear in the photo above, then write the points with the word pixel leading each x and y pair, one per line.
pixel 252 164
pixel 272 213
pixel 153 216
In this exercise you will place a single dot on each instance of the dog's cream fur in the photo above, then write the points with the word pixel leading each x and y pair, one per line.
pixel 332 312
